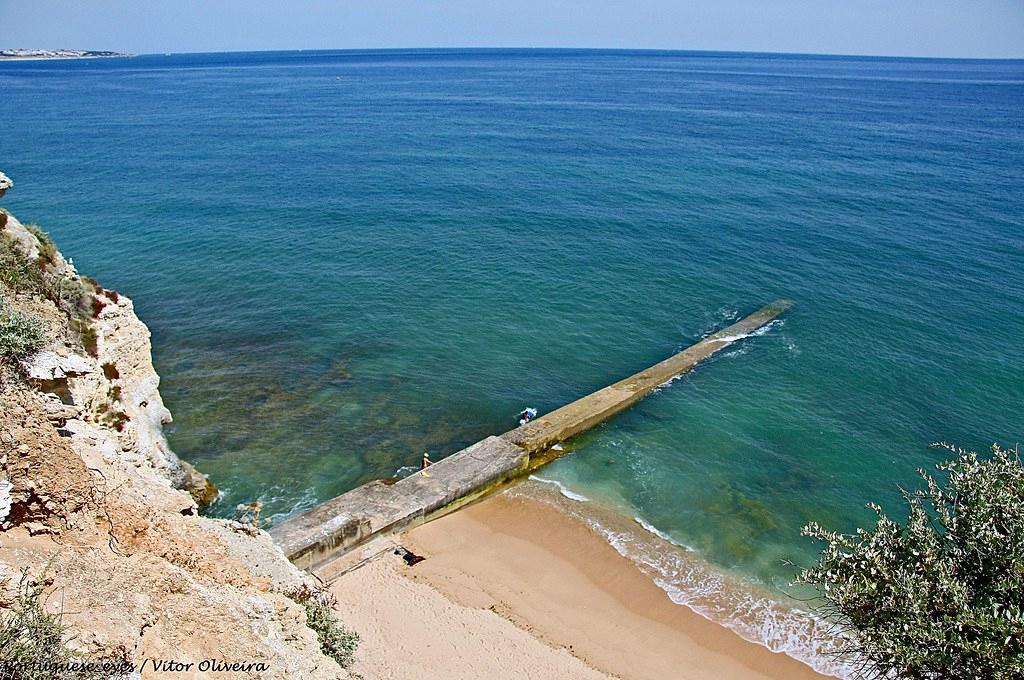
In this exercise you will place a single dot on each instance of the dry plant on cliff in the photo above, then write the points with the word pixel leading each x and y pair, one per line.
pixel 33 643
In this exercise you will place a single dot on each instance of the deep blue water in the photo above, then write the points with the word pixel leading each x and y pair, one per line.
pixel 347 258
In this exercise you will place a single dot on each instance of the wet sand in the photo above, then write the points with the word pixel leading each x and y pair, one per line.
pixel 513 588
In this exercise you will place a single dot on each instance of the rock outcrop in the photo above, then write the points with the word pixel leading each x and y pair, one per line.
pixel 117 383
pixel 93 500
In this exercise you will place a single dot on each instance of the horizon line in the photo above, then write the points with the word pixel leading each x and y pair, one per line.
pixel 535 48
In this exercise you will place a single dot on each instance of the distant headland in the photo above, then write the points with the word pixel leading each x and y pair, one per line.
pixel 59 54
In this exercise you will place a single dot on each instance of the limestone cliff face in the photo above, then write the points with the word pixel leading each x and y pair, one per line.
pixel 116 386
pixel 91 497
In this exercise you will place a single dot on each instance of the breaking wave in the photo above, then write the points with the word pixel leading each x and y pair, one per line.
pixel 722 598
pixel 756 333
pixel 562 489
pixel 661 534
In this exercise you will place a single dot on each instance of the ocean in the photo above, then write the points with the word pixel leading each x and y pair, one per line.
pixel 348 258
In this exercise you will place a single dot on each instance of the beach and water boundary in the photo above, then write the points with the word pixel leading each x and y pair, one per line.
pixel 450 232
pixel 321 538
pixel 523 560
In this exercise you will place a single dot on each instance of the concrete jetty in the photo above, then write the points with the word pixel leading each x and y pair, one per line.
pixel 342 523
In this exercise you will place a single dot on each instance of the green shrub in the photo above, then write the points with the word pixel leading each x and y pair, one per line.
pixel 47 249
pixel 22 275
pixel 941 595
pixel 336 641
pixel 17 271
pixel 75 297
pixel 20 334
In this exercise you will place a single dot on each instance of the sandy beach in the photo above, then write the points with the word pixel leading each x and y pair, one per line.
pixel 513 588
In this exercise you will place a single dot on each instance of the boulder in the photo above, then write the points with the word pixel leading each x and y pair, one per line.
pixel 5 499
pixel 203 491
pixel 52 366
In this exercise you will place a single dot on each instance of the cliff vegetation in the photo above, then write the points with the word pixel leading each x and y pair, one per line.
pixel 104 556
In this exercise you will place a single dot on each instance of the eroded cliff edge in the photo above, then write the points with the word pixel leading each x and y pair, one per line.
pixel 93 500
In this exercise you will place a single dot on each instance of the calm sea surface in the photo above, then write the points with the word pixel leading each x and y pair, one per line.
pixel 350 258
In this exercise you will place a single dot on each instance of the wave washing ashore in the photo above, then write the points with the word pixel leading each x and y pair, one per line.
pixel 747 609
pixel 322 538
pixel 516 585
pixel 454 235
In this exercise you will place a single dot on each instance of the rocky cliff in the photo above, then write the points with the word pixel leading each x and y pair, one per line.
pixel 96 507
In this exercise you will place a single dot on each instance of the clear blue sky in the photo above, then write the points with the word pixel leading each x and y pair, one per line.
pixel 953 28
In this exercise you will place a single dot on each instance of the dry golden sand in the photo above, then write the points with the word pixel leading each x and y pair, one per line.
pixel 513 588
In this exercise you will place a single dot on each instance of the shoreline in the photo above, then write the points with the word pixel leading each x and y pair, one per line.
pixel 60 57
pixel 513 565
pixel 112 56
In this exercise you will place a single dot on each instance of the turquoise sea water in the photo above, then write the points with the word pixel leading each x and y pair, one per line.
pixel 347 258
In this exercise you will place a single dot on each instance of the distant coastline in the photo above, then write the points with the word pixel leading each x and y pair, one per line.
pixel 59 54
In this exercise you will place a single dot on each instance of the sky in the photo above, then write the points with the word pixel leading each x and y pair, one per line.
pixel 938 28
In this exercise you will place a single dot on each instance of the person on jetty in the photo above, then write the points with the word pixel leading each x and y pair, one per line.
pixel 425 463
pixel 527 415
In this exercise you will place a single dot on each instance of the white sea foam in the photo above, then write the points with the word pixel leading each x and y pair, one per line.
pixel 745 608
pixel 728 340
pixel 660 534
pixel 723 315
pixel 756 333
pixel 562 488
pixel 727 601
pixel 307 501
pixel 406 470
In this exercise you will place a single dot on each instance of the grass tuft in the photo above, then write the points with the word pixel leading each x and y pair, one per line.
pixel 47 249
pixel 97 306
pixel 87 334
pixel 17 271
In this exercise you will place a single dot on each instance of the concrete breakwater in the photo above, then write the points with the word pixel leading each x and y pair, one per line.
pixel 342 523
